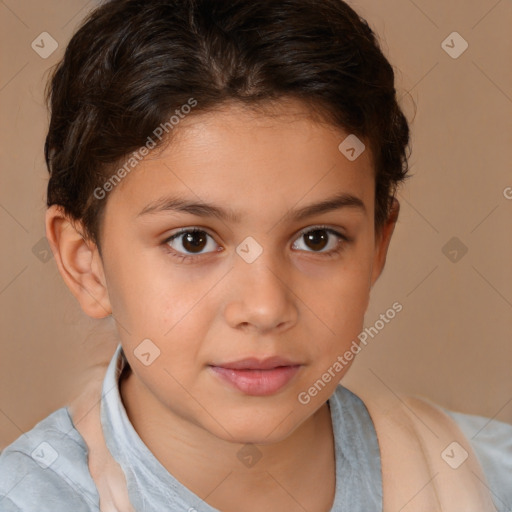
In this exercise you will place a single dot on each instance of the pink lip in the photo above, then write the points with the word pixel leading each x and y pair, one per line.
pixel 252 363
pixel 255 377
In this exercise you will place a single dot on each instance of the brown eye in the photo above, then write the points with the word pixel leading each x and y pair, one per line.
pixel 191 241
pixel 194 241
pixel 317 239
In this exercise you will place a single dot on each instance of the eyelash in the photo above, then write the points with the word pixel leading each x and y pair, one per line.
pixel 189 259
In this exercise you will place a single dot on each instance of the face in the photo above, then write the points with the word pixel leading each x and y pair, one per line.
pixel 256 274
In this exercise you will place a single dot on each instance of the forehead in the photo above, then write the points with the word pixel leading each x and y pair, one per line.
pixel 248 159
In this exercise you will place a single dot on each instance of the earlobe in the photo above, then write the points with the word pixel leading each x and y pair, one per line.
pixel 382 242
pixel 79 263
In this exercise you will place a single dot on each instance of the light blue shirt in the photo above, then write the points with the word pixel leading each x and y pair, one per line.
pixel 45 469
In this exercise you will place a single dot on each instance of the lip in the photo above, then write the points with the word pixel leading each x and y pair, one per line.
pixel 257 377
pixel 253 363
pixel 257 382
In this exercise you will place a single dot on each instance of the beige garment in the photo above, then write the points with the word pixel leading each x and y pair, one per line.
pixel 412 435
pixel 423 457
pixel 105 471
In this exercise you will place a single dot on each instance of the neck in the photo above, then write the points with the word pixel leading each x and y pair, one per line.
pixel 201 461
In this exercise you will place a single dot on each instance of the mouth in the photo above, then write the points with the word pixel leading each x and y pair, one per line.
pixel 257 377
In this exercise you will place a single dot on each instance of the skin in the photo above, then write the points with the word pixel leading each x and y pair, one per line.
pixel 292 301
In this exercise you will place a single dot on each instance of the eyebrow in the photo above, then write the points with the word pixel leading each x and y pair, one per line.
pixel 203 209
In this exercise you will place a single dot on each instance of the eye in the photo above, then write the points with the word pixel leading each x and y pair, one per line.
pixel 190 241
pixel 190 244
pixel 320 237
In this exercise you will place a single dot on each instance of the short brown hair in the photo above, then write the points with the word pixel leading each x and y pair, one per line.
pixel 132 63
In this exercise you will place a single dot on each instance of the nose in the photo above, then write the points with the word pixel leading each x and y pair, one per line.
pixel 261 295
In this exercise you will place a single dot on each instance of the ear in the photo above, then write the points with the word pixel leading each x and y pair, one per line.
pixel 79 262
pixel 382 242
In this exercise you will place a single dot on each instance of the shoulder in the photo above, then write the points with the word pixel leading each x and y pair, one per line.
pixel 491 441
pixel 46 469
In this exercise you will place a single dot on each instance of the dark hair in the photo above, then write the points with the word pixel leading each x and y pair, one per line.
pixel 132 63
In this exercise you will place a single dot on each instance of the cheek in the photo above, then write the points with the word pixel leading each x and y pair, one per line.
pixel 158 302
pixel 344 295
pixel 337 311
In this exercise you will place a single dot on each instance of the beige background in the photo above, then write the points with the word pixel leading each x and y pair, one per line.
pixel 453 340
